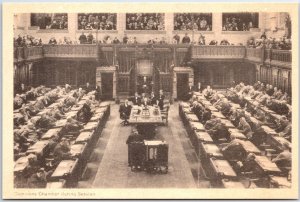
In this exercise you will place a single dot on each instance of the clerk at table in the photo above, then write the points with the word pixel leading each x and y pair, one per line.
pixel 136 100
pixel 160 100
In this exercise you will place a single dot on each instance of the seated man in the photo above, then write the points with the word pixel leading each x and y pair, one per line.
pixel 124 111
pixel 134 137
pixel 45 122
pixel 234 150
pixel 72 125
pixel 210 123
pixel 38 179
pixel 246 165
pixel 18 101
pixel 136 100
pixel 282 124
pixel 284 159
pixel 32 110
pixel 145 102
pixel 152 98
pixel 208 92
pixel 217 130
pixel 85 114
pixel 245 128
pixel 61 151
pixel 160 100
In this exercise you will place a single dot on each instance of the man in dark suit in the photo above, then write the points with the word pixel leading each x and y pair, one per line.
pixel 152 99
pixel 136 100
pixel 88 88
pixel 125 110
pixel 82 39
pixel 160 100
pixel 198 87
pixel 186 39
pixel 190 92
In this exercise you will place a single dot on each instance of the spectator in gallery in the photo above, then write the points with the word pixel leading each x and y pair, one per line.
pixel 82 38
pixel 116 41
pixel 176 39
pixel 186 39
pixel 201 40
pixel 263 36
pixel 90 38
pixel 52 41
pixel 107 40
pixel 134 40
pixel 213 43
pixel 224 42
pixel 203 24
pixel 125 39
pixel 163 40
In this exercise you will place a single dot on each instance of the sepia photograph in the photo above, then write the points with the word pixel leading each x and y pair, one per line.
pixel 150 100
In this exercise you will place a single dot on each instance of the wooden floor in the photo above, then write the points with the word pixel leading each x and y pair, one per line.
pixel 113 171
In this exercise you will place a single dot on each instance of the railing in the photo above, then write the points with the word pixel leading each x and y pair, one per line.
pixel 254 54
pixel 218 52
pixel 281 55
pixel 179 53
pixel 71 51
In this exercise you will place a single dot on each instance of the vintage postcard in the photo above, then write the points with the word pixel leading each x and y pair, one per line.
pixel 150 101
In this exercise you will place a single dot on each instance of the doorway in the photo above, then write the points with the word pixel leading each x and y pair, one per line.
pixel 182 85
pixel 107 86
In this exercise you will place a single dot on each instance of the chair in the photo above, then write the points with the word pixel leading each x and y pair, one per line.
pixel 165 113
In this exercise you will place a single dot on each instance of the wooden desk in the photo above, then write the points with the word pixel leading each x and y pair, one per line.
pixel 192 117
pixel 280 182
pixel 97 117
pixel 139 115
pixel 203 137
pixel 212 108
pixel 269 131
pixel 222 168
pixel 267 166
pixel 67 170
pixel 51 133
pixel 71 114
pixel 197 126
pixel 90 126
pixel 21 164
pixel 249 147
pixel 210 150
pixel 38 148
pixel 184 105
pixel 227 123
pixel 56 185
pixel 78 150
pixel 237 133
pixel 218 115
pixel 83 137
pixel 232 184
pixel 277 142
pixel 77 107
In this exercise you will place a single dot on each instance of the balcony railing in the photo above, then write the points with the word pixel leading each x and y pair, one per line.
pixel 255 54
pixel 71 51
pixel 180 52
pixel 218 52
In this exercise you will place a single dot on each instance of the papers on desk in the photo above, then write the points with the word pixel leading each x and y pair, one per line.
pixel 211 150
pixel 266 164
pixel 269 130
pixel 77 149
pixel 38 147
pixel 197 126
pixel 21 164
pixel 281 181
pixel 218 115
pixel 90 126
pixel 204 137
pixel 84 137
pixel 222 167
pixel 250 147
pixel 184 105
pixel 104 104
pixel 227 123
pixel 65 167
pixel 281 141
pixel 60 123
pixel 237 133
pixel 232 184
pixel 192 117
pixel 56 185
pixel 154 142
pixel 54 132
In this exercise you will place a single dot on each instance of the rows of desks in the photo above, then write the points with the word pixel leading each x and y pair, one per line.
pixel 210 154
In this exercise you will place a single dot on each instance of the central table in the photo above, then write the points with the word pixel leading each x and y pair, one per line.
pixel 145 115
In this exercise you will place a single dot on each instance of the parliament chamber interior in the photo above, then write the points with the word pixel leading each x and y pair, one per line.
pixel 152 100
